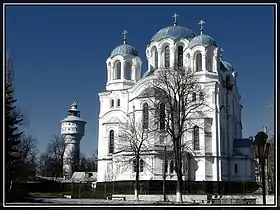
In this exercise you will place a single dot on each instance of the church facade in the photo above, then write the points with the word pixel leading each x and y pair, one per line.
pixel 222 154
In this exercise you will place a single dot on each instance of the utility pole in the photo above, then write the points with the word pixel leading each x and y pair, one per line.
pixel 164 176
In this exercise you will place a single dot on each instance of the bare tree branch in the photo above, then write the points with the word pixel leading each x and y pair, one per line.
pixel 184 99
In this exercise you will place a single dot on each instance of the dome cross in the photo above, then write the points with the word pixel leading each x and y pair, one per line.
pixel 201 23
pixel 124 33
pixel 175 19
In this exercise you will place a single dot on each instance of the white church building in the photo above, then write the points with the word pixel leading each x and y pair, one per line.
pixel 222 155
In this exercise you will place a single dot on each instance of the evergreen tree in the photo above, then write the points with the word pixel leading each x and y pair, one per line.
pixel 12 133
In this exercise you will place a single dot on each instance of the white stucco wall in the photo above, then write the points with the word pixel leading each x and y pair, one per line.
pixel 126 91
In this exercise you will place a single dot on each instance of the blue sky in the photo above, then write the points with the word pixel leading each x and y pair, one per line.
pixel 59 55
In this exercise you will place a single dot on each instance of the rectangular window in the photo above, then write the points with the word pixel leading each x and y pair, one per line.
pixel 118 103
pixel 134 166
pixel 235 168
pixel 141 165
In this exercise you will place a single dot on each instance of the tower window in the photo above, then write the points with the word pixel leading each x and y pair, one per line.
pixel 209 62
pixel 127 71
pixel 111 141
pixel 196 137
pixel 193 97
pixel 145 116
pixel 235 168
pixel 156 59
pixel 117 73
pixel 118 102
pixel 162 116
pixel 198 62
pixel 180 56
pixel 112 103
pixel 167 57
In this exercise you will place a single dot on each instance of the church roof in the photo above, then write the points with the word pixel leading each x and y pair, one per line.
pixel 124 49
pixel 227 65
pixel 173 32
pixel 202 40
pixel 72 119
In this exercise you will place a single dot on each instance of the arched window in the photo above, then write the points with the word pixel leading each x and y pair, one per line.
pixel 117 74
pixel 127 71
pixel 209 62
pixel 201 96
pixel 156 59
pixel 162 116
pixel 188 60
pixel 171 166
pixel 111 141
pixel 180 56
pixel 118 102
pixel 165 165
pixel 198 62
pixel 167 57
pixel 145 116
pixel 193 97
pixel 112 103
pixel 196 137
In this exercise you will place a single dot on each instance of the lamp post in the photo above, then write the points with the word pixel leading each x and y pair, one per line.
pixel 261 147
pixel 164 176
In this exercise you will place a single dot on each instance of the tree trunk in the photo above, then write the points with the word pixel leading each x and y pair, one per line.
pixel 179 188
pixel 178 169
pixel 136 190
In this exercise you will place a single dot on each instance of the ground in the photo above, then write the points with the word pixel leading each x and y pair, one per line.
pixel 65 201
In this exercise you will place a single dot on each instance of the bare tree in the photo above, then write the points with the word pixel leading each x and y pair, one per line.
pixel 52 159
pixel 132 148
pixel 29 156
pixel 179 94
pixel 88 164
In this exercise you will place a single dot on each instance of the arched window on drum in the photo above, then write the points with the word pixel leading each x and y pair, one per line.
pixel 198 62
pixel 167 57
pixel 180 56
pixel 128 70
pixel 117 70
pixel 156 58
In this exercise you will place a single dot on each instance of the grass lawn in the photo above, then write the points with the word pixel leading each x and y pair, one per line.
pixel 48 195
